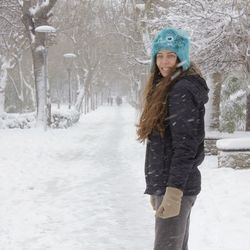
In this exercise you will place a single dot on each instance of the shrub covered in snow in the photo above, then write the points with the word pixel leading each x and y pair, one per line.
pixel 59 119
pixel 22 121
pixel 64 118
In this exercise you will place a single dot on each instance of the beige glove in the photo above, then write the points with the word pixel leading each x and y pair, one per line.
pixel 153 202
pixel 171 203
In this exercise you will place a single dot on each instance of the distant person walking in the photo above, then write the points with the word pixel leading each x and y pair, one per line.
pixel 172 124
pixel 118 100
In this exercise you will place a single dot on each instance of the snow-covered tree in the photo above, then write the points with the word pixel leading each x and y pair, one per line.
pixel 36 13
pixel 233 104
pixel 220 41
pixel 82 28
pixel 12 42
pixel 218 34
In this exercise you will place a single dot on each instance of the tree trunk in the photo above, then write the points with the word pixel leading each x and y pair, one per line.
pixel 248 89
pixel 215 112
pixel 87 103
pixel 20 76
pixel 38 62
pixel 37 40
pixel 3 80
pixel 84 92
pixel 248 112
pixel 79 99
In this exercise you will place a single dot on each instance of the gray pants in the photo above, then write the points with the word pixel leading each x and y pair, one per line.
pixel 172 233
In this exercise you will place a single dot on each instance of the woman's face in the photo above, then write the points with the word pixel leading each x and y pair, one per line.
pixel 165 60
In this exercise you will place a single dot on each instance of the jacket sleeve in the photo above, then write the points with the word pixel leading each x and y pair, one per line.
pixel 183 115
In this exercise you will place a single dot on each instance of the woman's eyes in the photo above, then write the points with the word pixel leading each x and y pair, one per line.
pixel 169 56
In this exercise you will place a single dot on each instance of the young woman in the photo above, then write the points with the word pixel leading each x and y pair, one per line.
pixel 172 124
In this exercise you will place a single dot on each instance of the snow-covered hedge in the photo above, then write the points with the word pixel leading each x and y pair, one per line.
pixel 64 118
pixel 22 121
pixel 60 118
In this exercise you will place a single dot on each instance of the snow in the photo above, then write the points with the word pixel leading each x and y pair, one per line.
pixel 218 135
pixel 4 65
pixel 234 143
pixel 69 55
pixel 239 94
pixel 147 42
pixel 82 189
pixel 146 62
pixel 141 6
pixel 36 8
pixel 20 2
pixel 40 48
pixel 45 29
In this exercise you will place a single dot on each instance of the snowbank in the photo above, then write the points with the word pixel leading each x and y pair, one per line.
pixel 234 144
pixel 220 135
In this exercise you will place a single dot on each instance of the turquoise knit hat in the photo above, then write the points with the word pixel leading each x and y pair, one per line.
pixel 173 40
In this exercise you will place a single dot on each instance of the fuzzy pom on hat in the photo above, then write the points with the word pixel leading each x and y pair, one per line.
pixel 173 40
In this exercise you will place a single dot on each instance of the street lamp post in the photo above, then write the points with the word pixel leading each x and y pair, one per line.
pixel 68 60
pixel 47 105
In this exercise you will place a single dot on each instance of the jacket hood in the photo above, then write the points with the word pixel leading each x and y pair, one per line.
pixel 198 86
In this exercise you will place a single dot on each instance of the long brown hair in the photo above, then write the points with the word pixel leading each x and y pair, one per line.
pixel 155 100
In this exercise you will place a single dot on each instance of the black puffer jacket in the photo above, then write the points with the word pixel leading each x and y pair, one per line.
pixel 173 160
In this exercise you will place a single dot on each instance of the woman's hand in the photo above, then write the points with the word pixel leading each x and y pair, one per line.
pixel 171 203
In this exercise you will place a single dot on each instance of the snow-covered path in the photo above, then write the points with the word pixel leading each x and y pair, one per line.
pixel 82 189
